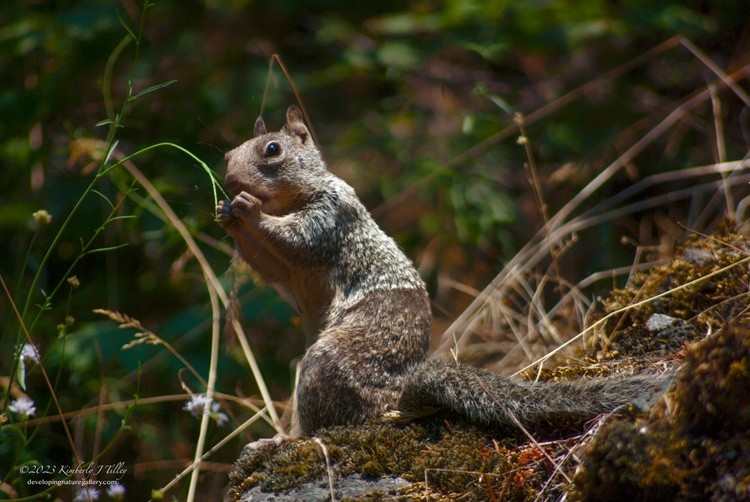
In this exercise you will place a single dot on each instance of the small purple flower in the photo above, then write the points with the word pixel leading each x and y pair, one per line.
pixel 197 403
pixel 220 417
pixel 28 352
pixel 24 407
pixel 116 491
pixel 87 494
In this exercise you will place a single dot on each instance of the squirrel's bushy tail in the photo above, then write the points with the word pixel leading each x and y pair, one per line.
pixel 491 399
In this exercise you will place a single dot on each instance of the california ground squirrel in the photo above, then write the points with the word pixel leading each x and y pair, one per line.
pixel 364 306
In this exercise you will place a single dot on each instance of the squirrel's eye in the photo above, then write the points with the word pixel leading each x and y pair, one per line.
pixel 273 149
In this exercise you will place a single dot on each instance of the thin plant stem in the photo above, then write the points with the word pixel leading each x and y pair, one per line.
pixel 211 279
pixel 71 443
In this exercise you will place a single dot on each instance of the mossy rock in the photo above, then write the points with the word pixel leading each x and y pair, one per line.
pixel 691 313
pixel 702 287
pixel 425 460
pixel 694 446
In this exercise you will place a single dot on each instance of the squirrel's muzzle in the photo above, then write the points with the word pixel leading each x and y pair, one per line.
pixel 232 183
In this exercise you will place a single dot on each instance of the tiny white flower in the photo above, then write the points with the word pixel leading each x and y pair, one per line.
pixel 42 217
pixel 24 407
pixel 221 418
pixel 86 494
pixel 197 403
pixel 116 491
pixel 29 352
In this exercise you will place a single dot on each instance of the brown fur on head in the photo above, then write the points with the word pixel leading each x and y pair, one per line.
pixel 279 168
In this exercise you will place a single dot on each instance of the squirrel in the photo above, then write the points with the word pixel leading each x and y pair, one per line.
pixel 366 309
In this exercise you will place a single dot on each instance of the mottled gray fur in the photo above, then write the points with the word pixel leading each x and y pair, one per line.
pixel 363 304
pixel 488 398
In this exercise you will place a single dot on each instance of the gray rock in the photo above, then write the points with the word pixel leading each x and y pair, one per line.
pixel 661 322
pixel 349 487
pixel 696 256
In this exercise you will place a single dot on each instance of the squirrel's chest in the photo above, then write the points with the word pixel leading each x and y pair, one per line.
pixel 313 293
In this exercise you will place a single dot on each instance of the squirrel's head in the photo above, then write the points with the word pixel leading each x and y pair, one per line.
pixel 282 169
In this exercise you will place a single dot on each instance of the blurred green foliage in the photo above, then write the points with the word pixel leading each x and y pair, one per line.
pixel 403 96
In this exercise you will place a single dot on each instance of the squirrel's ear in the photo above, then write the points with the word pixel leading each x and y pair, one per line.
pixel 260 127
pixel 295 124
pixel 294 114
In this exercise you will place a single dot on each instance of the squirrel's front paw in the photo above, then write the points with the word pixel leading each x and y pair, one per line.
pixel 245 207
pixel 224 213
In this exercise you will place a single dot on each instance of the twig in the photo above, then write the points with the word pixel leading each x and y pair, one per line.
pixel 206 417
pixel 721 149
pixel 275 58
pixel 329 469
pixel 538 446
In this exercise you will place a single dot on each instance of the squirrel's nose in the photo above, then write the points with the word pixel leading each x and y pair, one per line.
pixel 232 183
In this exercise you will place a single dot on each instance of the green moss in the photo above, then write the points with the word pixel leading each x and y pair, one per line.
pixel 696 446
pixel 377 449
pixel 440 461
pixel 702 306
pixel 618 463
pixel 279 468
pixel 712 394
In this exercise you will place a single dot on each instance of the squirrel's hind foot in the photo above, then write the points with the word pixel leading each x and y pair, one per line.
pixel 403 417
pixel 263 444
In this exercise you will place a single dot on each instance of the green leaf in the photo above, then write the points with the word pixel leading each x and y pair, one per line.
pixel 21 373
pixel 482 90
pixel 124 217
pixel 125 25
pixel 109 248
pixel 97 192
pixel 152 89
pixel 110 152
